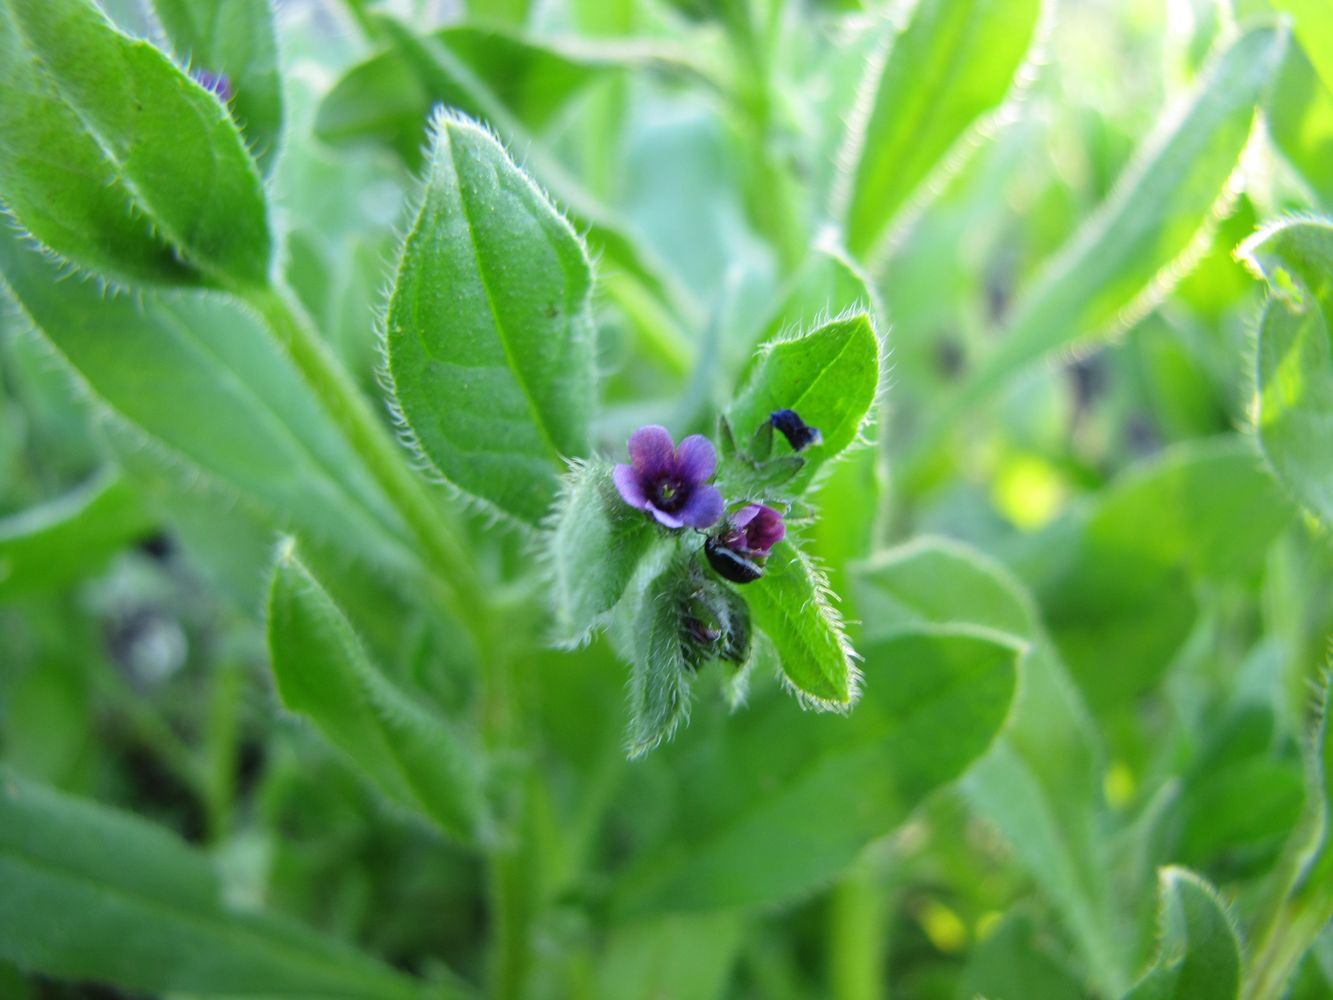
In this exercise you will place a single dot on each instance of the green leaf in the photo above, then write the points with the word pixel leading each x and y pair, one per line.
pixel 791 603
pixel 618 249
pixel 490 337
pixel 592 546
pixel 1039 784
pixel 1199 952
pixel 94 894
pixel 754 792
pixel 1294 369
pixel 115 159
pixel 1315 33
pixel 209 387
pixel 387 101
pixel 1123 604
pixel 828 284
pixel 830 376
pixel 1142 238
pixel 1017 959
pixel 1300 121
pixel 951 64
pixel 49 546
pixel 413 756
pixel 684 956
pixel 235 38
pixel 1300 903
pixel 659 687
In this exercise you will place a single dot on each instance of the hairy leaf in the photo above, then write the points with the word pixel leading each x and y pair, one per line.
pixel 115 159
pixel 659 687
pixel 1295 357
pixel 490 337
pixel 412 755
pixel 1039 783
pixel 755 792
pixel 90 893
pixel 953 62
pixel 1141 237
pixel 1199 953
pixel 204 382
pixel 829 376
pixel 51 545
pixel 593 544
pixel 235 38
pixel 791 603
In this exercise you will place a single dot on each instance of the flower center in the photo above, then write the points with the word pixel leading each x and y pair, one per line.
pixel 670 495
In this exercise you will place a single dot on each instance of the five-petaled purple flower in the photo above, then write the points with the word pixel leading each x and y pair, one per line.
pixel 670 483
pixel 738 552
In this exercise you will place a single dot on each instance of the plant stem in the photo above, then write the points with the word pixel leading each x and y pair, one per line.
pixel 858 928
pixel 374 442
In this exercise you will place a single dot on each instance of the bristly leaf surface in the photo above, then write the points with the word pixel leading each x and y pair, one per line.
pixel 1294 370
pixel 112 157
pixel 490 338
pixel 412 755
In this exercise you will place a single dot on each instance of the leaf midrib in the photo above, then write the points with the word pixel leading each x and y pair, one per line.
pixel 501 331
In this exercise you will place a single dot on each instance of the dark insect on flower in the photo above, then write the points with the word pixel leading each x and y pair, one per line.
pixel 670 483
pixel 217 83
pixel 738 553
pixel 798 434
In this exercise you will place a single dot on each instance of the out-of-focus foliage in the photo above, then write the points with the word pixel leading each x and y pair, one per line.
pixel 336 658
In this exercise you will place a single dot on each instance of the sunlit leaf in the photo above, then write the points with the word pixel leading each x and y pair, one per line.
pixel 830 376
pixel 952 63
pixel 1294 373
pixel 1140 239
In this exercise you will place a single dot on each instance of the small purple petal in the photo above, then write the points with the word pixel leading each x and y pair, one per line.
pixel 670 520
pixel 697 459
pixel 629 487
pixel 764 531
pixel 652 451
pixel 703 508
pixel 745 515
pixel 218 83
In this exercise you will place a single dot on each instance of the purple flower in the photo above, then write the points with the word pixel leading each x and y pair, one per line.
pixel 218 83
pixel 754 530
pixel 737 553
pixel 669 482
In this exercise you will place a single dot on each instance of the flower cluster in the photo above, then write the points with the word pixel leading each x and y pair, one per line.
pixel 672 485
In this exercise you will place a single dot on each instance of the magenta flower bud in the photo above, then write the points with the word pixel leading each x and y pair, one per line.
pixel 739 551
pixel 670 483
